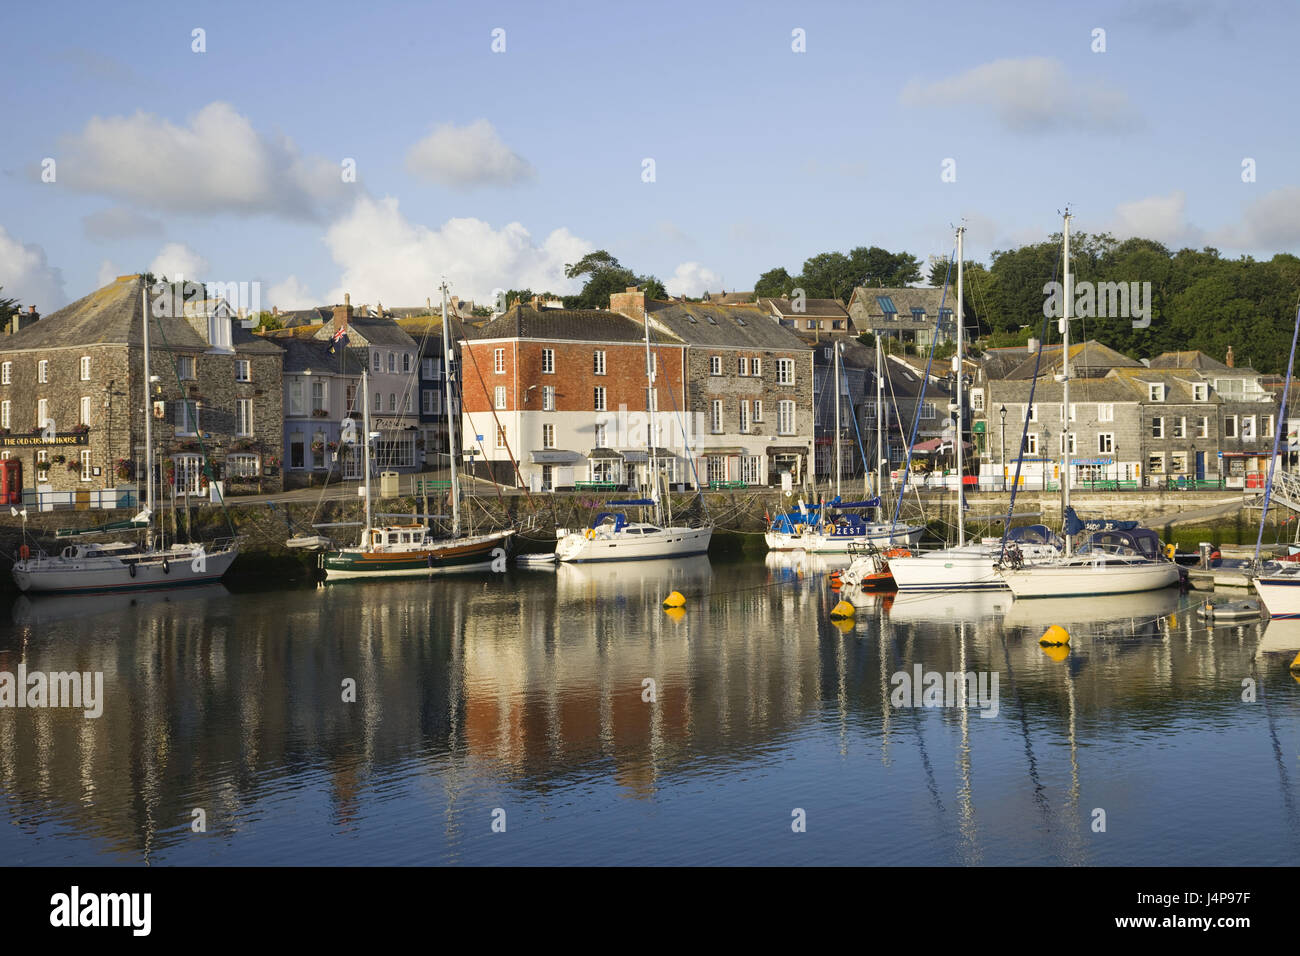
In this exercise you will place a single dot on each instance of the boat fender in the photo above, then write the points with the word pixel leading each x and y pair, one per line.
pixel 131 568
pixel 24 552
pixel 166 569
pixel 1170 551
pixel 430 560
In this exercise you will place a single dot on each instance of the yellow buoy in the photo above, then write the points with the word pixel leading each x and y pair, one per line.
pixel 1056 652
pixel 844 626
pixel 842 610
pixel 676 613
pixel 1295 664
pixel 1055 635
pixel 675 600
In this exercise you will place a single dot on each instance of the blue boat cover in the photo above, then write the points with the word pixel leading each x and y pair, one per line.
pixel 1074 524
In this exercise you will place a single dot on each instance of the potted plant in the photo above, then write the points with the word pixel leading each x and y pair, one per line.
pixel 74 467
pixel 125 469
pixel 59 459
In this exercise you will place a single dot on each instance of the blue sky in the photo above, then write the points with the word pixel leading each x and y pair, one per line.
pixel 496 168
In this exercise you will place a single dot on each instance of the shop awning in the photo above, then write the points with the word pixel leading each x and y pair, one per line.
pixel 604 454
pixel 638 455
pixel 553 456
pixel 728 450
pixel 787 450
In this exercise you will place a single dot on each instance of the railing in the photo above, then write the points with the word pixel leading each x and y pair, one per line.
pixel 595 486
pixel 425 485
pixel 89 499
pixel 726 485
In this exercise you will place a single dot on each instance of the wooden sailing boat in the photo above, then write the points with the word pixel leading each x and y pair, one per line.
pixel 407 550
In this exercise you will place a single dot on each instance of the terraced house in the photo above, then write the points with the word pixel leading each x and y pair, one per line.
pixel 748 390
pixel 72 398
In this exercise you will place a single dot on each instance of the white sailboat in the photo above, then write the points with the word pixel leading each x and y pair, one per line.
pixel 813 530
pixel 1278 584
pixel 125 565
pixel 1110 562
pixel 611 537
pixel 408 549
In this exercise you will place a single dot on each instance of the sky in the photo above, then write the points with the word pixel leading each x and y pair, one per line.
pixel 323 148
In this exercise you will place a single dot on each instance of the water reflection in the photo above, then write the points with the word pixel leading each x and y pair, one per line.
pixel 619 732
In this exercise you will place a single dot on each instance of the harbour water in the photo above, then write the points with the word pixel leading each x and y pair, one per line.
pixel 561 716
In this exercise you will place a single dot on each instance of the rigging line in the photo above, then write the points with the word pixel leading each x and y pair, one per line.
pixel 1024 432
pixel 1279 427
pixel 920 402
pixel 497 421
pixel 681 425
pixel 893 395
pixel 185 409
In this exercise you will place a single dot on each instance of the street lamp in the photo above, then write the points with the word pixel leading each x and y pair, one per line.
pixel 1003 413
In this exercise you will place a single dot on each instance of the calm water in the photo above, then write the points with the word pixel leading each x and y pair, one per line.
pixel 524 692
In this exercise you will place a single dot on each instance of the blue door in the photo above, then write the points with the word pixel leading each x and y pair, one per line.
pixel 1200 466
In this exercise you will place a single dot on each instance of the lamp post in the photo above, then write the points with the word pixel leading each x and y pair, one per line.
pixel 1003 414
pixel 1043 452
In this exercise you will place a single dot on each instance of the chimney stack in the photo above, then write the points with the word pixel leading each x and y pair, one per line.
pixel 343 313
pixel 1228 358
pixel 630 303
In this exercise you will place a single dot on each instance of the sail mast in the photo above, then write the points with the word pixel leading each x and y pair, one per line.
pixel 148 410
pixel 365 450
pixel 451 424
pixel 650 430
pixel 958 441
pixel 880 430
pixel 1065 386
pixel 839 445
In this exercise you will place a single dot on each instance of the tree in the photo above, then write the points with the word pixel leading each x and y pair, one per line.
pixel 267 321
pixel 774 284
pixel 7 308
pixel 605 276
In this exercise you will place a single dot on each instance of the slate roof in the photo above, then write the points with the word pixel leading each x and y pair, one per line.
pixel 1202 362
pixel 373 331
pixel 111 315
pixel 724 326
pixel 591 325
pixel 729 298
pixel 865 308
pixel 1085 357
pixel 813 308
pixel 298 317
pixel 302 354
pixel 417 327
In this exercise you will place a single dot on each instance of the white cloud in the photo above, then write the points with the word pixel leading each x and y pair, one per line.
pixel 1162 218
pixel 289 294
pixel 385 257
pixel 463 157
pixel 117 223
pixel 27 276
pixel 177 260
pixel 1029 94
pixel 692 279
pixel 1269 224
pixel 108 272
pixel 216 163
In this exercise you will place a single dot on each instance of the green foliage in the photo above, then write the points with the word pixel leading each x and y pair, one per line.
pixel 267 321
pixel 7 308
pixel 834 275
pixel 605 275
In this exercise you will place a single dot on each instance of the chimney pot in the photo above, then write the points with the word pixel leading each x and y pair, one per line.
pixel 1227 360
pixel 31 309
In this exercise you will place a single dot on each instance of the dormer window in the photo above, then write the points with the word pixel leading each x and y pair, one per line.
pixel 219 335
pixel 1156 391
pixel 1200 392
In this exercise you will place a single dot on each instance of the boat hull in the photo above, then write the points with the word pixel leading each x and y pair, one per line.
pixel 668 543
pixel 1280 595
pixel 815 543
pixel 966 568
pixel 470 554
pixel 1091 578
pixel 104 575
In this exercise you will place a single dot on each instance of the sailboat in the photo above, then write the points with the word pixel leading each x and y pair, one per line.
pixel 1121 560
pixel 126 565
pixel 408 550
pixel 612 537
pixel 1278 584
pixel 811 528
pixel 970 566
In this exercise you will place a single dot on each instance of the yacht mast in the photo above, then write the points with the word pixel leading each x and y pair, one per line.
pixel 650 429
pixel 880 430
pixel 365 450
pixel 839 470
pixel 958 441
pixel 1065 385
pixel 451 424
pixel 148 412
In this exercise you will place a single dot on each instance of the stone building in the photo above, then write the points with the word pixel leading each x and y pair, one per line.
pixel 557 398
pixel 321 391
pixel 913 316
pixel 72 399
pixel 748 408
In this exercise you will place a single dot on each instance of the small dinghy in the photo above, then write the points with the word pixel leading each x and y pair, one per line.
pixel 538 559
pixel 1230 611
pixel 309 542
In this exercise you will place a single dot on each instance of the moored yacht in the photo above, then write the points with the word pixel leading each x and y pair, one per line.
pixel 1109 562
pixel 611 537
pixel 973 566
pixel 811 529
